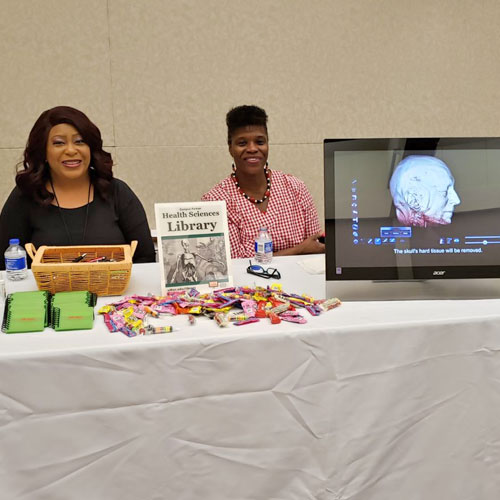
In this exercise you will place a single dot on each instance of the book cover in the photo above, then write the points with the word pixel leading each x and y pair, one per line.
pixel 193 245
pixel 30 300
pixel 24 318
pixel 72 316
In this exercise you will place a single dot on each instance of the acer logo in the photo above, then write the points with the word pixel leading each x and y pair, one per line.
pixel 438 273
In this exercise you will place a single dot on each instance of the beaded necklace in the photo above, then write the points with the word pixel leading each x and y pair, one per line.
pixel 251 199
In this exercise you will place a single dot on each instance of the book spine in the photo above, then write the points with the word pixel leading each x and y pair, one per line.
pixel 6 318
pixel 56 316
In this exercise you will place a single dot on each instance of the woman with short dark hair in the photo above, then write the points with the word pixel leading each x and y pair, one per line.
pixel 66 193
pixel 257 197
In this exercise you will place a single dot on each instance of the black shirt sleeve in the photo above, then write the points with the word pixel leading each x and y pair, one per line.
pixel 133 222
pixel 14 222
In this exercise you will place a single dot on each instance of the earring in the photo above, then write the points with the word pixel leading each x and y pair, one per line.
pixel 233 167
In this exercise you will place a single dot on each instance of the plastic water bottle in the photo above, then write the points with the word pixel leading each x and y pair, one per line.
pixel 263 247
pixel 15 261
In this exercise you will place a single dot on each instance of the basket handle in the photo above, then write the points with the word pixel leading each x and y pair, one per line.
pixel 133 246
pixel 30 248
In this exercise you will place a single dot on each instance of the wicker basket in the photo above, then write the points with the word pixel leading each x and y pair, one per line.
pixel 55 271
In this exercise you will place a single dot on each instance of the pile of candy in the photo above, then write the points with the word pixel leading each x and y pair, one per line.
pixel 237 305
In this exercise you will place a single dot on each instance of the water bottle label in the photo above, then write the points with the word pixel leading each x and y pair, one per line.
pixel 261 247
pixel 15 264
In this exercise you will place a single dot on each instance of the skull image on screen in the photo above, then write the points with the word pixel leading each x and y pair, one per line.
pixel 423 191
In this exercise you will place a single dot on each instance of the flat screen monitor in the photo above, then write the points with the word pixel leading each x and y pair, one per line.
pixel 412 218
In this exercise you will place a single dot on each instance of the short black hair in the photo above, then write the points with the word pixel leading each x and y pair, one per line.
pixel 242 116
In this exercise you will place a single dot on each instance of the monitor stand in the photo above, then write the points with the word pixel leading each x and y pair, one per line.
pixel 483 288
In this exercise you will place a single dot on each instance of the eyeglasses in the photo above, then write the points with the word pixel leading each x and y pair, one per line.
pixel 270 272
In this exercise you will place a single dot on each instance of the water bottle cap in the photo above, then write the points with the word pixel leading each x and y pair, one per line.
pixel 14 241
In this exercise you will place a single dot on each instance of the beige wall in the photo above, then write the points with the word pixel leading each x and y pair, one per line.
pixel 157 77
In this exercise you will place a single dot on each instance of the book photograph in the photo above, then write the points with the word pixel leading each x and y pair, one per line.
pixel 193 245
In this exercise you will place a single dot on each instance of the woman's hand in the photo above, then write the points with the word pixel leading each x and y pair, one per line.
pixel 309 245
pixel 312 244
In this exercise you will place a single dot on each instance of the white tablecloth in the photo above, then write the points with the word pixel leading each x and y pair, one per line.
pixel 371 401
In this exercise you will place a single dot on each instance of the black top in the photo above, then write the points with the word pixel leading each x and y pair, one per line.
pixel 115 221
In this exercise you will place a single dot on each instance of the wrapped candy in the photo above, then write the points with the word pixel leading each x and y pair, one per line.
pixel 239 305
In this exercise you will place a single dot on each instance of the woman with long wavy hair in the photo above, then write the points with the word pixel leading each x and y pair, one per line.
pixel 66 194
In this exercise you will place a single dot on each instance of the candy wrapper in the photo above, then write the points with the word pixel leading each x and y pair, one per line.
pixel 236 305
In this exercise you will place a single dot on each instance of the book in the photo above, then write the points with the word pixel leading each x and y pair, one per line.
pixel 29 311
pixel 38 296
pixel 73 310
pixel 24 309
pixel 22 318
pixel 72 316
pixel 78 296
pixel 193 245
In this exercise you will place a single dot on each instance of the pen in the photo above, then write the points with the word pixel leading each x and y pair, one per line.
pixel 99 259
pixel 79 258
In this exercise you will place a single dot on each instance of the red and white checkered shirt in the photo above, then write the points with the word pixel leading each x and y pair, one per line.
pixel 290 218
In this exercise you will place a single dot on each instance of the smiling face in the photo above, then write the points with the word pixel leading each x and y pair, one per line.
pixel 249 148
pixel 67 154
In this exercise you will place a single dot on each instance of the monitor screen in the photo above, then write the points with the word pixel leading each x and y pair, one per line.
pixel 412 209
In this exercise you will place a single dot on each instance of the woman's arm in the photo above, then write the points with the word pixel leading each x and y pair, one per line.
pixel 14 222
pixel 310 245
pixel 133 222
